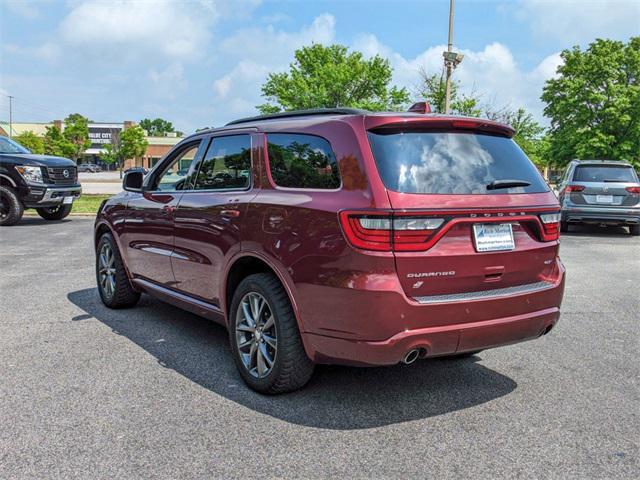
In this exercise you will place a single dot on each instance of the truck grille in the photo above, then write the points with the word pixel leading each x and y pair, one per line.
pixel 57 176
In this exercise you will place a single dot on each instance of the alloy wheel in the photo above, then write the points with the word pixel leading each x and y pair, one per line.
pixel 256 335
pixel 107 270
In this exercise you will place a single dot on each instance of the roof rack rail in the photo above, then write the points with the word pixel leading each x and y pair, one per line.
pixel 301 113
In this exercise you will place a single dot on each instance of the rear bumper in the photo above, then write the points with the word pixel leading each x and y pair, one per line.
pixel 608 215
pixel 438 329
pixel 435 341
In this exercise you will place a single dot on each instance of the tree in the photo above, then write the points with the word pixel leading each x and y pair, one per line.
pixel 130 143
pixel 31 141
pixel 332 77
pixel 76 131
pixel 432 88
pixel 56 144
pixel 157 127
pixel 594 103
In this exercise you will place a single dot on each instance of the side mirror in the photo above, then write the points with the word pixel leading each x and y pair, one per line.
pixel 132 181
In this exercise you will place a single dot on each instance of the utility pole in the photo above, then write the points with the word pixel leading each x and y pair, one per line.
pixel 10 115
pixel 451 59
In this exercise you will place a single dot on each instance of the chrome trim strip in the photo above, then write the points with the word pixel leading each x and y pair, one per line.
pixel 77 190
pixel 485 294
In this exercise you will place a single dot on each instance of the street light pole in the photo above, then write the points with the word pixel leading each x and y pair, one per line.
pixel 10 115
pixel 448 64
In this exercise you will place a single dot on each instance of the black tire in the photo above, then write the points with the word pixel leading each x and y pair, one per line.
pixel 54 213
pixel 564 227
pixel 291 368
pixel 11 208
pixel 121 294
pixel 634 230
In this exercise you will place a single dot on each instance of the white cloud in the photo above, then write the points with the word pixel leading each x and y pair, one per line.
pixel 24 8
pixel 491 72
pixel 167 83
pixel 48 52
pixel 260 51
pixel 580 21
pixel 129 27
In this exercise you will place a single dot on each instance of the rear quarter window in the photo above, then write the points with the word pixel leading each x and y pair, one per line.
pixel 451 162
pixel 302 161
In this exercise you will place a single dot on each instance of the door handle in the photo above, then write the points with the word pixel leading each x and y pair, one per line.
pixel 230 213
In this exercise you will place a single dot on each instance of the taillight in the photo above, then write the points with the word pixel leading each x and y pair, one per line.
pixel 574 188
pixel 411 234
pixel 550 226
pixel 633 189
pixel 389 232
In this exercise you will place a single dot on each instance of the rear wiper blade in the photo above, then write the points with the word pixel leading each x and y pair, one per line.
pixel 613 181
pixel 496 184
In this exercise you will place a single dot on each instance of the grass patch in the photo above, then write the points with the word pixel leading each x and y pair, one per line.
pixel 88 204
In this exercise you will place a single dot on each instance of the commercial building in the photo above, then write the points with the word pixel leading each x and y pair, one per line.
pixel 101 134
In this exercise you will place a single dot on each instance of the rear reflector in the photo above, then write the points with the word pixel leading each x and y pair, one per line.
pixel 633 189
pixel 574 188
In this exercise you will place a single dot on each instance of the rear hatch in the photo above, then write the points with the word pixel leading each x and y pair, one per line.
pixel 471 213
pixel 604 185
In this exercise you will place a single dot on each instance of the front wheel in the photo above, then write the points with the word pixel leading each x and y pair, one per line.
pixel 54 213
pixel 113 283
pixel 265 340
pixel 11 208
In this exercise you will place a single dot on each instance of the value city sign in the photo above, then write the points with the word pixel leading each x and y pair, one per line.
pixel 101 136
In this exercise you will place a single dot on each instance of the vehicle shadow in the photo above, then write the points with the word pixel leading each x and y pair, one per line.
pixel 595 231
pixel 340 398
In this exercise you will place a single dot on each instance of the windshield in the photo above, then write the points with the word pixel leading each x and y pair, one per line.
pixel 453 163
pixel 9 146
pixel 604 173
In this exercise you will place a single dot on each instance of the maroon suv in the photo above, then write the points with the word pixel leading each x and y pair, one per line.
pixel 341 236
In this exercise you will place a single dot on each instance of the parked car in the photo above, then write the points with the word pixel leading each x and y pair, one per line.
pixel 602 192
pixel 43 182
pixel 89 167
pixel 358 238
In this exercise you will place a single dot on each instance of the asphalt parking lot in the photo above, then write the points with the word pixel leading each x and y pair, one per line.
pixel 152 392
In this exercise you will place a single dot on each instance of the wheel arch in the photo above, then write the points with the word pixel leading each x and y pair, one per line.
pixel 7 181
pixel 245 264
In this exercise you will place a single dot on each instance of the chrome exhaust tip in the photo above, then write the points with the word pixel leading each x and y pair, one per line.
pixel 411 356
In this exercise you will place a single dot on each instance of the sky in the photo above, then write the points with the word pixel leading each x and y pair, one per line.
pixel 201 63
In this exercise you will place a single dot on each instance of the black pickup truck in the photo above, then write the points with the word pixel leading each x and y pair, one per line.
pixel 48 184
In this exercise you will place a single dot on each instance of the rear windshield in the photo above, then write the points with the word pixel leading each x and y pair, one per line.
pixel 446 162
pixel 604 173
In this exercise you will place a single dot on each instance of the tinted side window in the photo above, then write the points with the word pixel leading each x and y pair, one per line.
pixel 302 161
pixel 227 164
pixel 175 175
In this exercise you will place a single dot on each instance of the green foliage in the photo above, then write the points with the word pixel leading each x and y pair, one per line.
pixel 130 143
pixel 157 127
pixel 594 103
pixel 55 143
pixel 76 132
pixel 31 141
pixel 432 88
pixel 332 77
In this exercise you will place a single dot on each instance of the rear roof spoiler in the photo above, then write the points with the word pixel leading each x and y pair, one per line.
pixel 435 122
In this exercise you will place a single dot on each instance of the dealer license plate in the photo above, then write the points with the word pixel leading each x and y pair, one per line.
pixel 604 198
pixel 491 237
pixel 67 200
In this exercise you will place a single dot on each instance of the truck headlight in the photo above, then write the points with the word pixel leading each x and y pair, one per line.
pixel 30 174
